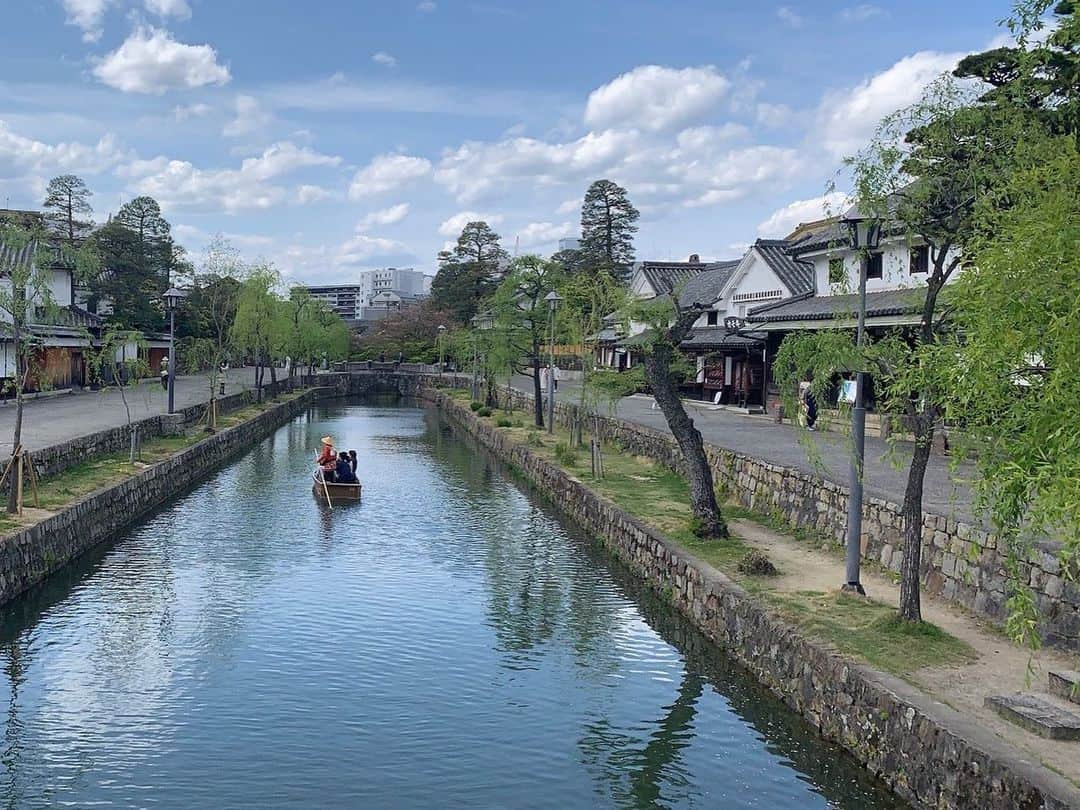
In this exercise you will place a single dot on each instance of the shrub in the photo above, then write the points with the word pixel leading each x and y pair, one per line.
pixel 483 410
pixel 504 422
pixel 566 455
pixel 476 405
pixel 757 564
pixel 533 439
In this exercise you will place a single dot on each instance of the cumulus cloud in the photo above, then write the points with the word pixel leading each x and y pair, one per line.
pixel 307 194
pixel 774 115
pixel 784 220
pixel 21 155
pixel 384 59
pixel 543 233
pixel 569 206
pixel 150 61
pixel 362 250
pixel 452 227
pixel 386 173
pixel 384 216
pixel 87 15
pixel 182 112
pixel 250 118
pixel 789 17
pixel 169 8
pixel 848 118
pixel 654 98
pixel 178 183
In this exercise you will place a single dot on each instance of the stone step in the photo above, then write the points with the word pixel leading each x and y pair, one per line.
pixel 1063 683
pixel 1037 715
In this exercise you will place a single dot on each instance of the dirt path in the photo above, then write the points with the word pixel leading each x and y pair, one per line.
pixel 1001 666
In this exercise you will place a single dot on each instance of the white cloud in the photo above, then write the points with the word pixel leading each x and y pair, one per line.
pixel 178 183
pixel 784 220
pixel 307 194
pixel 387 172
pixel 569 206
pixel 87 15
pixel 452 227
pixel 183 112
pixel 788 16
pixel 654 98
pixel 169 8
pixel 250 118
pixel 384 59
pixel 384 216
pixel 151 61
pixel 426 6
pixel 362 249
pixel 708 138
pixel 21 155
pixel 476 168
pixel 862 12
pixel 543 233
pixel 849 117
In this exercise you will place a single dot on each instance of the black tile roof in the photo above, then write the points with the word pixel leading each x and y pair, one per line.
pixel 797 276
pixel 12 257
pixel 664 277
pixel 705 287
pixel 717 337
pixel 823 307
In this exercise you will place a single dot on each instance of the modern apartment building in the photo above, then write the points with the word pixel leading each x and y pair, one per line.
pixel 354 302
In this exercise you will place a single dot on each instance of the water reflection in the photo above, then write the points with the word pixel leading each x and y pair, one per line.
pixel 443 642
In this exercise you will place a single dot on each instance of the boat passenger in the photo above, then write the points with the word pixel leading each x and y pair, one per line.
pixel 352 461
pixel 344 474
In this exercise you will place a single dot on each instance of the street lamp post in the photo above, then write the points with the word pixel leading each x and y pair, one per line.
pixel 481 322
pixel 173 297
pixel 865 233
pixel 553 299
pixel 442 348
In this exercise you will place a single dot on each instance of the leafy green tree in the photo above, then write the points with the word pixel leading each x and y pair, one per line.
pixel 608 225
pixel 468 273
pixel 412 332
pixel 119 361
pixel 68 202
pixel 257 323
pixel 1014 380
pixel 521 320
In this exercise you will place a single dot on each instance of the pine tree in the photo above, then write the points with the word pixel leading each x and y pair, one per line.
pixel 608 225
pixel 469 272
pixel 68 201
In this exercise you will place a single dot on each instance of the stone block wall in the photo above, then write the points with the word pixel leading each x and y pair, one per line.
pixel 920 748
pixel 28 556
pixel 960 561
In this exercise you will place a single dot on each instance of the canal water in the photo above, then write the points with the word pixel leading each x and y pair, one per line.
pixel 447 642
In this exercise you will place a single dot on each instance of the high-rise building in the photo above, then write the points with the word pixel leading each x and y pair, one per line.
pixel 569 244
pixel 354 302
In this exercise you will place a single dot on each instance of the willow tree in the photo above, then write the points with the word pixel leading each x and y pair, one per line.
pixel 255 327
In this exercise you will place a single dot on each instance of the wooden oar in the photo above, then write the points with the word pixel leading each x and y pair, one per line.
pixel 326 490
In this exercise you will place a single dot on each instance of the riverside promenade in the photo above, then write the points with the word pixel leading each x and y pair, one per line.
pixel 62 417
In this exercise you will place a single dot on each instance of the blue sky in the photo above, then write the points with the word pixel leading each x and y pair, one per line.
pixel 334 136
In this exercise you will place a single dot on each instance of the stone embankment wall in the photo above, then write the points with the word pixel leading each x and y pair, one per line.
pixel 925 751
pixel 28 556
pixel 960 561
pixel 59 457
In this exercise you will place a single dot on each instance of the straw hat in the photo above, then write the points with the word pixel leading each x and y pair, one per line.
pixel 327 441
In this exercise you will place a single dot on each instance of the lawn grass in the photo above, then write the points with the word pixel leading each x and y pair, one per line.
pixel 865 629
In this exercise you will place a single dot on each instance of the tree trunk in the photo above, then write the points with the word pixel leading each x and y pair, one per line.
pixel 709 521
pixel 538 401
pixel 911 567
pixel 16 439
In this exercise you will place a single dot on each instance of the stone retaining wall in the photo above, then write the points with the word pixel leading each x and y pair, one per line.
pixel 960 561
pixel 30 555
pixel 923 750
pixel 59 457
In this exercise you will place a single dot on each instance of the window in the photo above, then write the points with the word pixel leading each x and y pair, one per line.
pixel 711 317
pixel 874 266
pixel 920 259
pixel 836 271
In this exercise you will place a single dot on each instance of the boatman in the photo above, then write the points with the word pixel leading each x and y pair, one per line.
pixel 327 456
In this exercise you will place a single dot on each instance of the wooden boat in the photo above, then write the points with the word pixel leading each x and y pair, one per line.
pixel 337 492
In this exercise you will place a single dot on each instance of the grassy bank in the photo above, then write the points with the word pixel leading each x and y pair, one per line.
pixel 863 628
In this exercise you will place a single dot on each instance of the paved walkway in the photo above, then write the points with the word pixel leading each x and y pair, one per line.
pixel 59 418
pixel 823 453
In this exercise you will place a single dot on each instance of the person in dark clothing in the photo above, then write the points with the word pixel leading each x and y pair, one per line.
pixel 344 474
pixel 352 461
pixel 811 410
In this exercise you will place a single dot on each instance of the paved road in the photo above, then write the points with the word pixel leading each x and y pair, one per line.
pixel 59 418
pixel 825 454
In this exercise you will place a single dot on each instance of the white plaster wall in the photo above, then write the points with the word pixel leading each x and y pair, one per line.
pixel 895 270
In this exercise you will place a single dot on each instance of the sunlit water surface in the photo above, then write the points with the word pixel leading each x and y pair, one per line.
pixel 445 643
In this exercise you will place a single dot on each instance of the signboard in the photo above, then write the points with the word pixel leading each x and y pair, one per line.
pixel 847 391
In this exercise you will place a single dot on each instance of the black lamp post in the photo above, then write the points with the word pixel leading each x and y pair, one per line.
pixel 172 297
pixel 865 234
pixel 553 299
pixel 482 322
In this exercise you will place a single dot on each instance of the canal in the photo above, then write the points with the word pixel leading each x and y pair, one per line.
pixel 448 642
